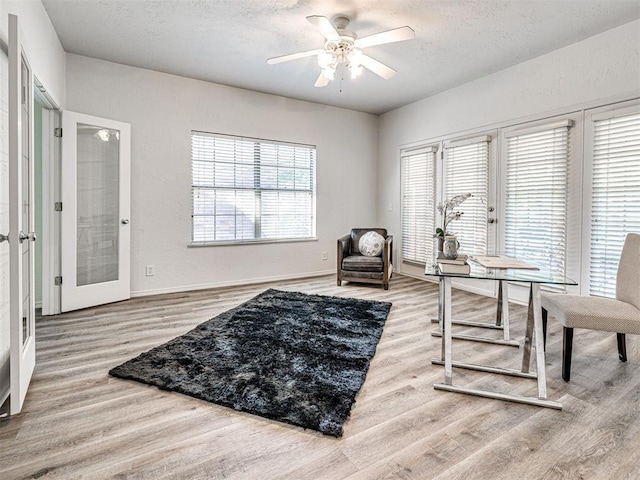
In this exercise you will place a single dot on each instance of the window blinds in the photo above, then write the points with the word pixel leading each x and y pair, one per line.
pixel 536 194
pixel 467 171
pixel 615 208
pixel 247 189
pixel 418 204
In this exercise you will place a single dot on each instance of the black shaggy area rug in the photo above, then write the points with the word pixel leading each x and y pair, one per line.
pixel 288 356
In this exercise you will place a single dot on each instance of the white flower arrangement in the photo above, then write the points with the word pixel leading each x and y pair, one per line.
pixel 449 212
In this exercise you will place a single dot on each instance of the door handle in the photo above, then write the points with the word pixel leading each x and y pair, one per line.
pixel 124 221
pixel 30 236
pixel 4 238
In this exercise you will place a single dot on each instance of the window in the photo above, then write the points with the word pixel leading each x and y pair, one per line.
pixel 247 190
pixel 418 204
pixel 536 186
pixel 467 171
pixel 615 192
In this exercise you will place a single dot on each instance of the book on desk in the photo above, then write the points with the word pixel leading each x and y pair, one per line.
pixel 502 262
pixel 457 265
pixel 458 260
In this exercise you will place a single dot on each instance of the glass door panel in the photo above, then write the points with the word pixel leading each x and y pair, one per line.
pixel 98 160
pixel 27 320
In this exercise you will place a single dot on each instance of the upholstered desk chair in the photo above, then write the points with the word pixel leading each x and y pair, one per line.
pixel 359 259
pixel 620 315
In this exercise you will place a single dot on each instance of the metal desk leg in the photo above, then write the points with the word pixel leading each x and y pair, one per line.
pixel 446 326
pixel 441 304
pixel 499 309
pixel 528 335
pixel 534 333
pixel 539 339
pixel 503 309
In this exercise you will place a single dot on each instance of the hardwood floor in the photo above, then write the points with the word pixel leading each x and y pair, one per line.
pixel 78 422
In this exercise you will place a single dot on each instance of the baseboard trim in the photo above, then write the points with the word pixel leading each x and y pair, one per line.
pixel 251 281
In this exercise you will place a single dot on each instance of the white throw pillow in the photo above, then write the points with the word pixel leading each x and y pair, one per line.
pixel 371 244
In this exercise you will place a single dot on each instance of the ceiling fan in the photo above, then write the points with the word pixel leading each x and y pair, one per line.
pixel 343 48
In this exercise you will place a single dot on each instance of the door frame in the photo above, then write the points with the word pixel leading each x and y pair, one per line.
pixel 51 195
pixel 50 235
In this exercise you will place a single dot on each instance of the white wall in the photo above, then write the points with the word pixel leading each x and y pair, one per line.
pixel 162 110
pixel 597 70
pixel 44 49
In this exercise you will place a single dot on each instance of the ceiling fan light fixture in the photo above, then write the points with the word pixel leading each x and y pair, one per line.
pixel 355 70
pixel 354 59
pixel 329 73
pixel 355 56
pixel 327 59
pixel 343 49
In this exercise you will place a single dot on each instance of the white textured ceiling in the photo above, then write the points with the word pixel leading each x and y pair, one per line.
pixel 228 41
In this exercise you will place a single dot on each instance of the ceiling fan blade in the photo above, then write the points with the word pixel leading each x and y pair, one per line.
pixel 322 81
pixel 376 67
pixel 293 56
pixel 390 36
pixel 324 27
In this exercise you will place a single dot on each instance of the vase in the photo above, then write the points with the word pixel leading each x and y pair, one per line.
pixel 450 247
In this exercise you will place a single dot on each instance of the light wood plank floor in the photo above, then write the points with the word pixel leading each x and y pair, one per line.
pixel 78 422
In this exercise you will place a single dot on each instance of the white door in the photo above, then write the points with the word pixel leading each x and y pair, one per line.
pixel 468 166
pixel 21 219
pixel 95 230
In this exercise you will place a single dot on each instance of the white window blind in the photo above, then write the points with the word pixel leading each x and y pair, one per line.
pixel 467 171
pixel 615 208
pixel 536 194
pixel 418 204
pixel 246 189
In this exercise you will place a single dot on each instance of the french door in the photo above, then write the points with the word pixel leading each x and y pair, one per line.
pixel 433 175
pixel 95 229
pixel 468 166
pixel 21 220
pixel 95 258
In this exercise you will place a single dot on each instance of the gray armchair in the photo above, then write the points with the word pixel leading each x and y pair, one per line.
pixel 353 266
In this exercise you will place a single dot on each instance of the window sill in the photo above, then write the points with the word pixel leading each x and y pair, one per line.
pixel 259 241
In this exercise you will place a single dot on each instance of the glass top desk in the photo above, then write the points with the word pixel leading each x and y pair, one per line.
pixel 533 330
